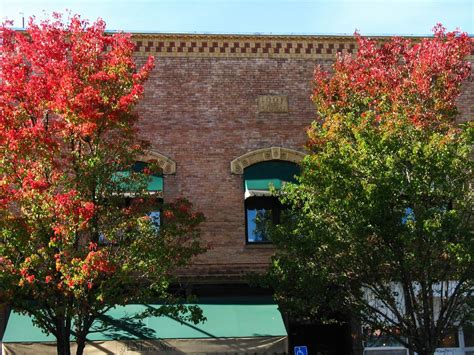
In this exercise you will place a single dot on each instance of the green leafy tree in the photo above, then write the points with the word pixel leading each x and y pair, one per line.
pixel 381 225
pixel 75 235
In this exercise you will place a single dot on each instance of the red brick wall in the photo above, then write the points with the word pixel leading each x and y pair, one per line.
pixel 466 100
pixel 201 111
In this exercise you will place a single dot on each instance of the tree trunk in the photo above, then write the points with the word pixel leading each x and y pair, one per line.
pixel 82 329
pixel 63 345
pixel 63 342
pixel 81 344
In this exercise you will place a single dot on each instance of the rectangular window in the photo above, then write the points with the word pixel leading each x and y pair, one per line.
pixel 151 207
pixel 262 209
pixel 468 331
pixel 450 340
pixel 262 213
pixel 156 218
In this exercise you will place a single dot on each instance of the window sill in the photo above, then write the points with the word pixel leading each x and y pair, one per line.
pixel 260 246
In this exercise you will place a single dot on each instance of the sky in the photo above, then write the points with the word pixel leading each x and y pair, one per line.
pixel 370 17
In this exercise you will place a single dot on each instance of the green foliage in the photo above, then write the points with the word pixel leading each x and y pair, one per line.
pixel 381 225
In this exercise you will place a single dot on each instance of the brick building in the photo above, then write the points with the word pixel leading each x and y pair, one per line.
pixel 213 100
pixel 201 109
pixel 216 105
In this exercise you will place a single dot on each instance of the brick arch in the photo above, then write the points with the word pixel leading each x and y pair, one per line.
pixel 238 165
pixel 166 164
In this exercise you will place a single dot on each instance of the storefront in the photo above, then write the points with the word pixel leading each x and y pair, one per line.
pixel 236 326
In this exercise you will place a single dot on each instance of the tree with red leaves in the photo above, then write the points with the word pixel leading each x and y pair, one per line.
pixel 72 245
pixel 382 226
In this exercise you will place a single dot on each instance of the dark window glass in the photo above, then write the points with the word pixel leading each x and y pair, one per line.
pixel 468 331
pixel 379 341
pixel 450 339
pixel 139 166
pixel 261 214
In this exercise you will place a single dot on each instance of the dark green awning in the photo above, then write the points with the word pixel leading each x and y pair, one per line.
pixel 258 178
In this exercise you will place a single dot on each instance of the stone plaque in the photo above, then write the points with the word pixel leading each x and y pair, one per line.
pixel 273 103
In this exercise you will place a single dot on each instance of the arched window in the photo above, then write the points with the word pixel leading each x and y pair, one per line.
pixel 155 189
pixel 262 209
pixel 261 169
pixel 137 180
pixel 130 182
pixel 155 185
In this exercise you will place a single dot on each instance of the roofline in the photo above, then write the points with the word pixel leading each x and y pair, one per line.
pixel 293 36
pixel 305 47
pixel 271 36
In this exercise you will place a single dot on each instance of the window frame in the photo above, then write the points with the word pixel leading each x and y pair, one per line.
pixel 127 201
pixel 263 199
pixel 275 206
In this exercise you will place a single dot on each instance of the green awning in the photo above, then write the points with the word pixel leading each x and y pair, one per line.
pixel 130 184
pixel 155 183
pixel 258 178
pixel 234 318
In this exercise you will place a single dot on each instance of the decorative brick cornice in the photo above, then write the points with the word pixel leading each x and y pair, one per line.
pixel 232 46
pixel 249 46
pixel 238 165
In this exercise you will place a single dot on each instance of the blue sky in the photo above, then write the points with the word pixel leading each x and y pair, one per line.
pixel 371 17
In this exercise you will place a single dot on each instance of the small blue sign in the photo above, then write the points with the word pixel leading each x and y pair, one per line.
pixel 301 350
